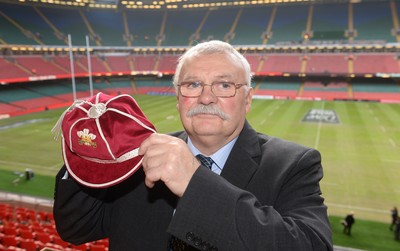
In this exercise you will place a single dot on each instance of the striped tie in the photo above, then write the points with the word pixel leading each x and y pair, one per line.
pixel 206 161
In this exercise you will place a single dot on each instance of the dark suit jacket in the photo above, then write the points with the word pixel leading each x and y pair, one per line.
pixel 267 198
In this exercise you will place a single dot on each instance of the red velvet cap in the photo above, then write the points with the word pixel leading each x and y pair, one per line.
pixel 101 139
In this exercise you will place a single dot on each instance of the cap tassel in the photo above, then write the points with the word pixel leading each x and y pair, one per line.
pixel 56 130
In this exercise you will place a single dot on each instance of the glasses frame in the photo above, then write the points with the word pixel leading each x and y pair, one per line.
pixel 237 86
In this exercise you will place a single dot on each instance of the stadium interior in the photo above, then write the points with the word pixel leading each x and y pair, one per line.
pixel 334 50
pixel 347 50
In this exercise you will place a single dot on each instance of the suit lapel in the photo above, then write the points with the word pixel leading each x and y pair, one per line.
pixel 243 159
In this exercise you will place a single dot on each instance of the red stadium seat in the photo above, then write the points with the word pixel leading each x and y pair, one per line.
pixel 23 227
pixel 57 240
pixel 38 229
pixel 29 245
pixel 42 216
pixel 10 230
pixel 50 217
pixel 26 234
pixel 103 242
pixel 43 237
pixel 10 241
pixel 31 215
pixel 95 247
pixel 10 223
pixel 5 214
pixel 83 247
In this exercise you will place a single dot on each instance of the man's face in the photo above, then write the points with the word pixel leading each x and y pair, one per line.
pixel 208 69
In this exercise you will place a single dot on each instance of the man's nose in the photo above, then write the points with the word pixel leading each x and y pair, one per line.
pixel 207 96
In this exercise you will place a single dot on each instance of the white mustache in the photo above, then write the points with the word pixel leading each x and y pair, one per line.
pixel 207 109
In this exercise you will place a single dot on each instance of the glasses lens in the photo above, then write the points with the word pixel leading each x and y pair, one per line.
pixel 191 89
pixel 223 89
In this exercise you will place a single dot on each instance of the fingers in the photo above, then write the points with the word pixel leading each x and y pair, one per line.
pixel 147 142
pixel 167 159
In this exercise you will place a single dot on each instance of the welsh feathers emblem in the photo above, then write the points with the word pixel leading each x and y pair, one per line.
pixel 86 138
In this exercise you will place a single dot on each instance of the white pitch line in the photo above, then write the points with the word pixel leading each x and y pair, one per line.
pixel 27 165
pixel 391 141
pixel 276 107
pixel 56 166
pixel 366 209
pixel 383 129
pixel 316 143
pixel 19 164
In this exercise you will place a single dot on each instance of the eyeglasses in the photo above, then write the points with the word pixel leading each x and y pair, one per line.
pixel 221 89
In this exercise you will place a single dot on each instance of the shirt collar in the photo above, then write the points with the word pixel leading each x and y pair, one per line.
pixel 219 157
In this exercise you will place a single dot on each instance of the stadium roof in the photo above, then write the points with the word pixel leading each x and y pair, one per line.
pixel 171 4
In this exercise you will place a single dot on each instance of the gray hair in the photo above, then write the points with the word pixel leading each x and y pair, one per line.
pixel 212 47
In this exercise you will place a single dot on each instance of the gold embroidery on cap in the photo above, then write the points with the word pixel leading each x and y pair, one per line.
pixel 86 138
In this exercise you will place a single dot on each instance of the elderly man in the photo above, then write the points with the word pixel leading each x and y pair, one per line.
pixel 217 185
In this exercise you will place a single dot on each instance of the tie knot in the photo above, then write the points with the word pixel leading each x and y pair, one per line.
pixel 206 161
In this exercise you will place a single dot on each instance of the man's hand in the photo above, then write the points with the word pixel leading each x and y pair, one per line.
pixel 168 159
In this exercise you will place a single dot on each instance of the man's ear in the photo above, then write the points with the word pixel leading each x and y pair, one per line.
pixel 249 99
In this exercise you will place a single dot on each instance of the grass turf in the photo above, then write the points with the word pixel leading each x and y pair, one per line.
pixel 366 235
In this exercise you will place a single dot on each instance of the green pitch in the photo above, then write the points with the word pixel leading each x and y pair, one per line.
pixel 359 143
